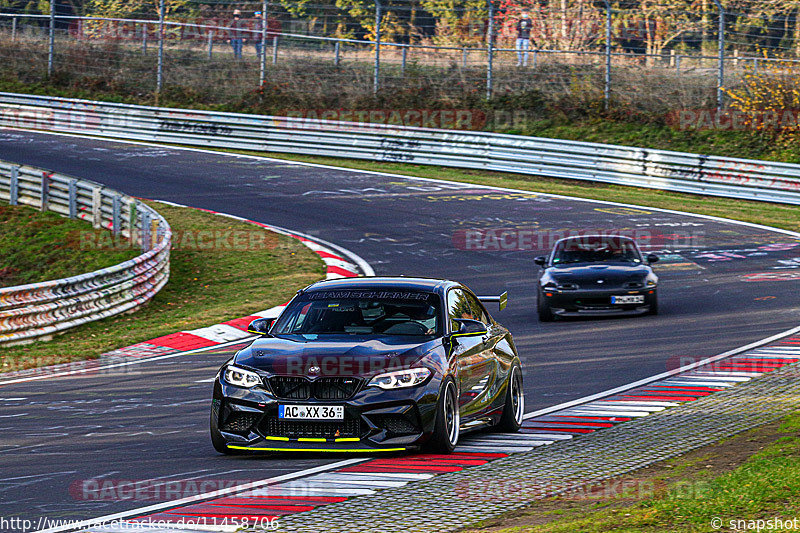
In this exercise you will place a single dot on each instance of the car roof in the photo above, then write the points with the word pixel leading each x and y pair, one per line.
pixel 383 283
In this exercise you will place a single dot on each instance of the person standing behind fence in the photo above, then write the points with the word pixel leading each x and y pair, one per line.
pixel 237 34
pixel 523 40
pixel 258 28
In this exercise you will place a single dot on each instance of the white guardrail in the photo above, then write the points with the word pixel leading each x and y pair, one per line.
pixel 38 310
pixel 657 169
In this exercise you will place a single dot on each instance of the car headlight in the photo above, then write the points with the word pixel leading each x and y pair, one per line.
pixel 651 283
pixel 241 377
pixel 400 378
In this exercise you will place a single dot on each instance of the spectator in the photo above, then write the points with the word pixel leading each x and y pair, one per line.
pixel 523 40
pixel 258 27
pixel 237 34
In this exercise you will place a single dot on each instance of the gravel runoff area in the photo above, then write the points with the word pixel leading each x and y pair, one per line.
pixel 455 500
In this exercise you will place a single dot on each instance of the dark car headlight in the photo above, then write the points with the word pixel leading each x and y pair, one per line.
pixel 241 377
pixel 400 379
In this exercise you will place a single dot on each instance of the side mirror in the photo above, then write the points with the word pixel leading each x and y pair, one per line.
pixel 541 260
pixel 652 258
pixel 260 326
pixel 467 326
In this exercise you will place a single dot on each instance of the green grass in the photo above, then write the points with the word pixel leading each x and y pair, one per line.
pixel 205 287
pixel 36 246
pixel 765 485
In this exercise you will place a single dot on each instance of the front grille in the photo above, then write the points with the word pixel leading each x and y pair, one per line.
pixel 294 429
pixel 335 388
pixel 300 388
pixel 290 388
pixel 395 424
pixel 238 422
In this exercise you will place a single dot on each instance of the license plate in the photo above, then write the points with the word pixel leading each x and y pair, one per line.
pixel 632 299
pixel 311 412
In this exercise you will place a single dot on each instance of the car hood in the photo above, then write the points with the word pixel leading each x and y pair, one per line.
pixel 335 356
pixel 610 273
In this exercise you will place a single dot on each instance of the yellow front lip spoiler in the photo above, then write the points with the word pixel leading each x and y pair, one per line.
pixel 323 450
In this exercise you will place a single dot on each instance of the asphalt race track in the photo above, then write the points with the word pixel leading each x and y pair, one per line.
pixel 722 286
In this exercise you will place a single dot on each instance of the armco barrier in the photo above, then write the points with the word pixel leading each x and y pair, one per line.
pixel 657 169
pixel 36 311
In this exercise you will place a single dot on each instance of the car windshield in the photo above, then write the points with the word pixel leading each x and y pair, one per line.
pixel 361 312
pixel 596 250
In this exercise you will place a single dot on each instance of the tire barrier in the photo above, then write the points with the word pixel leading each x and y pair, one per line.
pixel 38 310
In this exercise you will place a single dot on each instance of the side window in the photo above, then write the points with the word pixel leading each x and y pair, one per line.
pixel 458 307
pixel 477 309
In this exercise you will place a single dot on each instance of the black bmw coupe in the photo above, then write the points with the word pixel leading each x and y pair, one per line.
pixel 370 365
pixel 596 275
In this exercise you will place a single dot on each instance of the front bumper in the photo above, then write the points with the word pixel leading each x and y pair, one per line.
pixel 375 420
pixel 597 302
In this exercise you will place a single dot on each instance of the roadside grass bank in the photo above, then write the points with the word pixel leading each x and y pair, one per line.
pixel 777 215
pixel 752 476
pixel 220 269
pixel 37 246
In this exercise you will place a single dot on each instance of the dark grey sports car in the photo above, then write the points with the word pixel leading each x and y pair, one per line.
pixel 370 365
pixel 596 275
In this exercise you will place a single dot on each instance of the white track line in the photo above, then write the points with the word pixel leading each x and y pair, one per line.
pixel 199 497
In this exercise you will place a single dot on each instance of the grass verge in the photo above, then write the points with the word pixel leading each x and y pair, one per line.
pixel 206 286
pixel 36 246
pixel 753 476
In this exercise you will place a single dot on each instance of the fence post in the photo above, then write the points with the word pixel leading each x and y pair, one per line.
pixel 403 64
pixel 132 213
pixel 263 59
pixel 755 65
pixel 14 29
pixel 160 74
pixel 607 85
pixel 678 64
pixel 52 37
pixel 275 50
pixel 489 51
pixel 73 198
pixel 535 55
pixel 735 58
pixel 145 222
pixel 463 58
pixel 13 193
pixel 721 73
pixel 376 82
pixel 336 54
pixel 210 44
pixel 45 192
pixel 115 218
pixel 144 39
pixel 97 207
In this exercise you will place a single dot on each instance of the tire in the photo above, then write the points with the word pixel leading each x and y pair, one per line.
pixel 653 305
pixel 514 407
pixel 446 428
pixel 544 309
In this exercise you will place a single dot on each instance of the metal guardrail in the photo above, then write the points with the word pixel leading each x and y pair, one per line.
pixel 36 311
pixel 656 169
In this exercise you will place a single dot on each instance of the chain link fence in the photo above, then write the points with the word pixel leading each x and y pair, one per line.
pixel 656 57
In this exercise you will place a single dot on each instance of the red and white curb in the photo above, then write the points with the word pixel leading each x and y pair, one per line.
pixel 261 505
pixel 339 263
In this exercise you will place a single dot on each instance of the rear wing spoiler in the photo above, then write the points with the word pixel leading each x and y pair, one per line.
pixel 502 300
